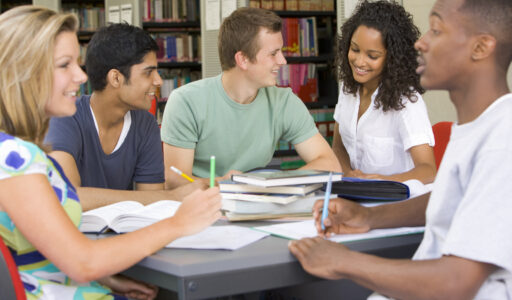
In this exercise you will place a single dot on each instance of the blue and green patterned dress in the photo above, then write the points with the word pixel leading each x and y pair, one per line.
pixel 41 278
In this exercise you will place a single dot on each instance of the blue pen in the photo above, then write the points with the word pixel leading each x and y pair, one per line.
pixel 325 211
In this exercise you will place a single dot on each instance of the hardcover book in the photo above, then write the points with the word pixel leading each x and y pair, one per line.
pixel 279 178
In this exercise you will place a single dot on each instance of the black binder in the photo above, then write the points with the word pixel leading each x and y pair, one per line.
pixel 370 190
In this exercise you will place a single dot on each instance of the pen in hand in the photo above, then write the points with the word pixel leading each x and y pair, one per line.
pixel 325 209
pixel 178 171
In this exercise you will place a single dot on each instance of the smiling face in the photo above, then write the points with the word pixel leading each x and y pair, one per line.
pixel 445 49
pixel 139 91
pixel 67 76
pixel 263 70
pixel 367 56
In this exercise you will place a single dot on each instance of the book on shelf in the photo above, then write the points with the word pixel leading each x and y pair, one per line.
pixel 236 187
pixel 126 216
pixel 279 178
pixel 177 47
pixel 90 17
pixel 294 5
pixel 302 79
pixel 170 10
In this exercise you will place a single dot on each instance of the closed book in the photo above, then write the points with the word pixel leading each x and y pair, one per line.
pixel 279 178
pixel 304 204
pixel 269 198
pixel 234 187
pixel 236 210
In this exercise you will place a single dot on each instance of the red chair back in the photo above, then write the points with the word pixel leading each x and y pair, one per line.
pixel 11 286
pixel 442 131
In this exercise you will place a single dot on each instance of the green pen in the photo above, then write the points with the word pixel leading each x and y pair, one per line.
pixel 212 171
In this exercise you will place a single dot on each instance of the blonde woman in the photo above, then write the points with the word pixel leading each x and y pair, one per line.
pixel 39 208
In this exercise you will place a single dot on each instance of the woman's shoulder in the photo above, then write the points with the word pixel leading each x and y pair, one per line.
pixel 17 155
pixel 413 100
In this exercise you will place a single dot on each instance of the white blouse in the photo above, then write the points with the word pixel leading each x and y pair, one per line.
pixel 378 143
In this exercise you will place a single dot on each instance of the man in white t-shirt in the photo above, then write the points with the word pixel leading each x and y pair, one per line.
pixel 466 251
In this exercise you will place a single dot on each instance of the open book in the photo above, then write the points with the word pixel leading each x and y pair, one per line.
pixel 126 216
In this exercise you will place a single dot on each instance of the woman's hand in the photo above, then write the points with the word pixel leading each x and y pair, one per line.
pixel 130 288
pixel 198 210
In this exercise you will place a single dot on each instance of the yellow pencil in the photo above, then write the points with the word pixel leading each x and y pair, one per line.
pixel 177 171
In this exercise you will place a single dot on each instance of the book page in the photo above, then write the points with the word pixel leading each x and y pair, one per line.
pixel 219 237
pixel 299 230
pixel 96 219
pixel 144 216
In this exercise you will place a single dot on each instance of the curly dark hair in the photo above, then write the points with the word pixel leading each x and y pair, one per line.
pixel 399 34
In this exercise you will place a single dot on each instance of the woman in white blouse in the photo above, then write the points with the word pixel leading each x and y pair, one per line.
pixel 382 127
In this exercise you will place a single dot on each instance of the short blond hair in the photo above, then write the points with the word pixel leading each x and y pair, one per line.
pixel 27 42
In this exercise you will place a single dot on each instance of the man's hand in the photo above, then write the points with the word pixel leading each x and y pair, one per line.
pixel 318 256
pixel 344 217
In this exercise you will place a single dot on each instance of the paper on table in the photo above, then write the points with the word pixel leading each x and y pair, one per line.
pixel 219 237
pixel 303 229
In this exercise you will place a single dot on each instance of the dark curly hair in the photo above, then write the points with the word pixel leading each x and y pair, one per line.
pixel 399 34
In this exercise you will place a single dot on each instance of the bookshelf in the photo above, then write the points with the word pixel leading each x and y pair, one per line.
pixel 91 15
pixel 8 4
pixel 175 26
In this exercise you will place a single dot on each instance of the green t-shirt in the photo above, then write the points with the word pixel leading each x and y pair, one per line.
pixel 201 116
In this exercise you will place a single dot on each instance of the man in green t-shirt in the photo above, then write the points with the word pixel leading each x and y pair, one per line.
pixel 240 115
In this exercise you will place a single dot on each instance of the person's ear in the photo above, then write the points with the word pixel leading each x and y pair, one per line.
pixel 241 60
pixel 484 46
pixel 115 78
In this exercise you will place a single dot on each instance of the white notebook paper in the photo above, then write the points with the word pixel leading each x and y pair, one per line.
pixel 303 229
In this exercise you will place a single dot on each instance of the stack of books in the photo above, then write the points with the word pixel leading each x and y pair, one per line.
pixel 272 194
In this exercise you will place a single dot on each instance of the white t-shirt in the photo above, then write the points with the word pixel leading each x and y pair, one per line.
pixel 378 143
pixel 469 214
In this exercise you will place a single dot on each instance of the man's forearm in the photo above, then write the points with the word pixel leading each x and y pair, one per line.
pixel 444 278
pixel 91 198
pixel 328 163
